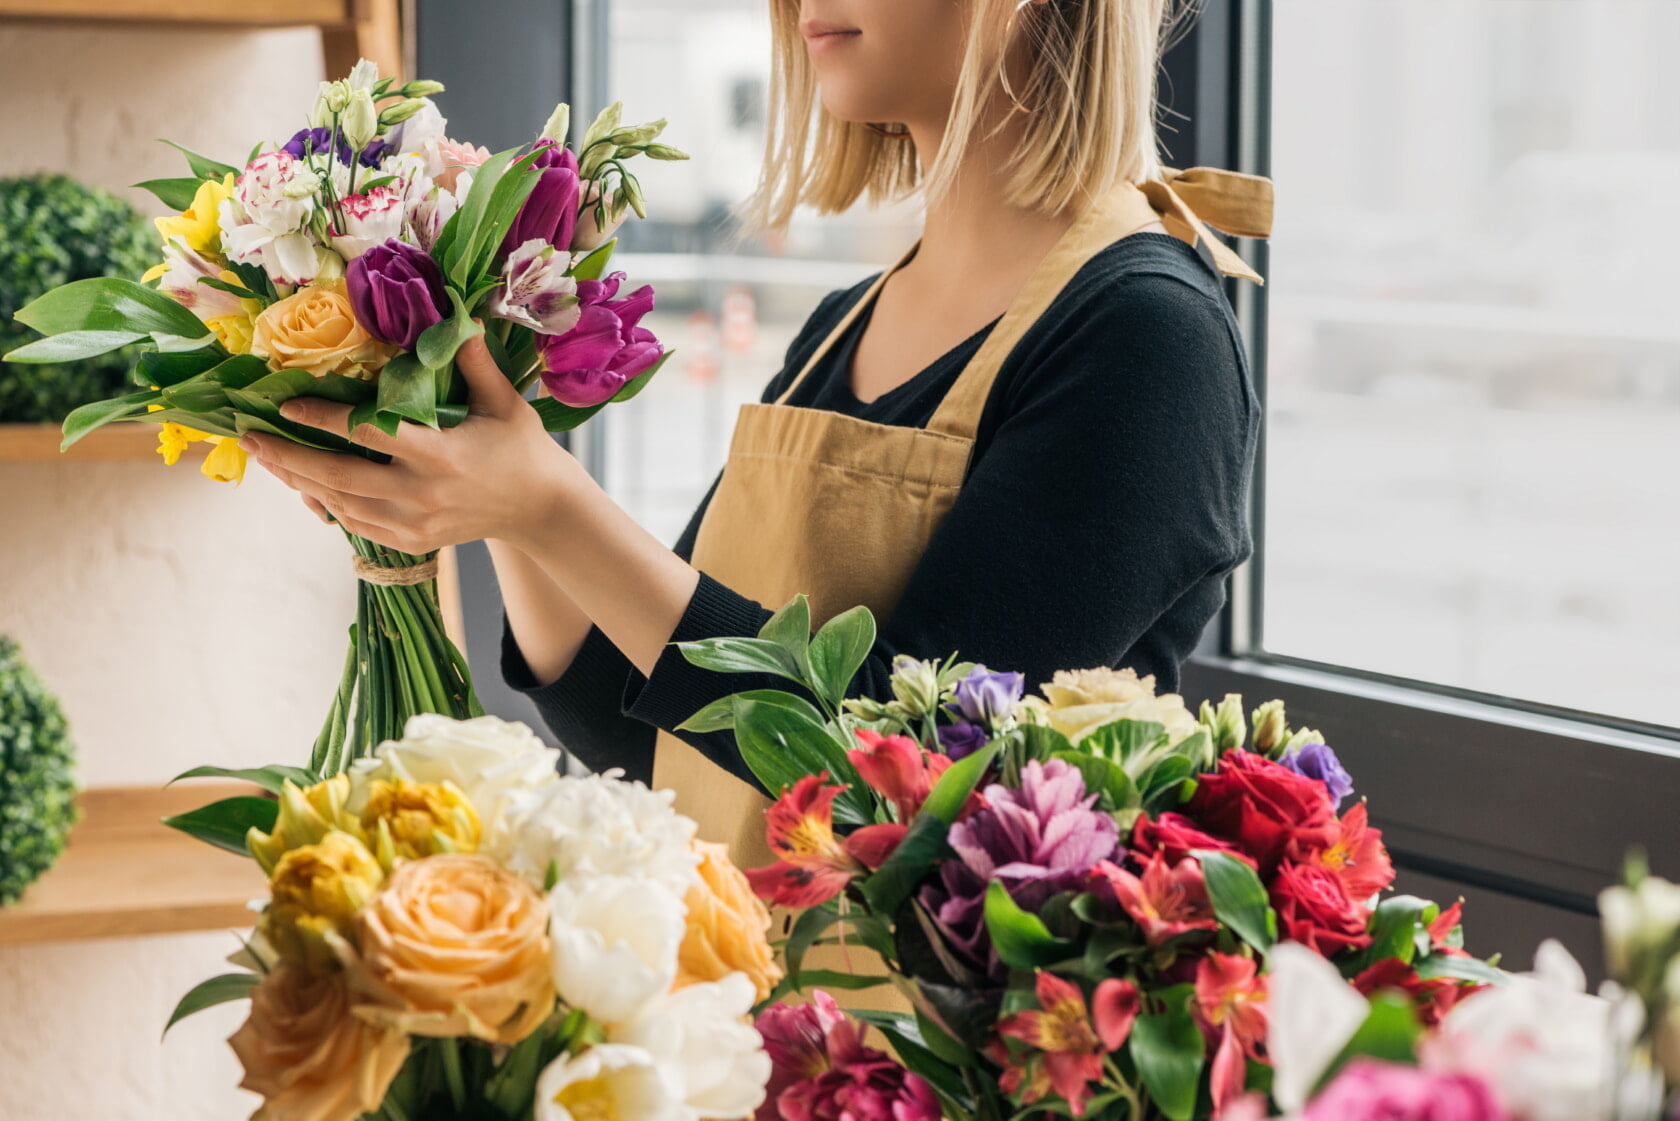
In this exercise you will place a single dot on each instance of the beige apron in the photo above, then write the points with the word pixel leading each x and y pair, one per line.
pixel 842 509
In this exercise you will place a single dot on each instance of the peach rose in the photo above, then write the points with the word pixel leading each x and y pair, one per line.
pixel 728 927
pixel 457 945
pixel 314 329
pixel 307 1053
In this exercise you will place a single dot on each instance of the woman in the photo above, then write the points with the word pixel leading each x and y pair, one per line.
pixel 1029 441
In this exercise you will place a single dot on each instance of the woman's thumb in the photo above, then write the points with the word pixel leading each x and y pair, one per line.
pixel 489 393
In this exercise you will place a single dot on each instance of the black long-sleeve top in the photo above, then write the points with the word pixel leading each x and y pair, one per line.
pixel 1105 502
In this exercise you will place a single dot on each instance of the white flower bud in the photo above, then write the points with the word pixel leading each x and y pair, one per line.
pixel 559 123
pixel 604 124
pixel 423 88
pixel 363 76
pixel 402 110
pixel 321 115
pixel 336 95
pixel 303 184
pixel 361 120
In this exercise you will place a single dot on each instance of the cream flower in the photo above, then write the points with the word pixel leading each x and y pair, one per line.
pixel 315 329
pixel 705 1044
pixel 728 927
pixel 615 943
pixel 1081 701
pixel 599 825
pixel 608 1082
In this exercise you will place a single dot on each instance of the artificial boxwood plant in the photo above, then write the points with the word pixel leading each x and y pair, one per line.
pixel 37 788
pixel 54 230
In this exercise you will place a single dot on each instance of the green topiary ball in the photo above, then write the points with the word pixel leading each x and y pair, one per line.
pixel 54 230
pixel 37 791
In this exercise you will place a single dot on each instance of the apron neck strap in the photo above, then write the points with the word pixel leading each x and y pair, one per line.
pixel 845 324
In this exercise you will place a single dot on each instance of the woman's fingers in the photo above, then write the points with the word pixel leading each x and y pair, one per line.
pixel 489 393
pixel 315 506
pixel 345 474
pixel 331 416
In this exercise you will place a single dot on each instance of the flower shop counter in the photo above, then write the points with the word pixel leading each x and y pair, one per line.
pixel 124 873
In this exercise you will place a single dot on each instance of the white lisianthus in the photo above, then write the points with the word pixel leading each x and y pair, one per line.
pixel 363 76
pixel 489 759
pixel 615 942
pixel 1311 1014
pixel 607 1081
pixel 360 122
pixel 705 1044
pixel 369 219
pixel 594 825
pixel 266 221
pixel 535 291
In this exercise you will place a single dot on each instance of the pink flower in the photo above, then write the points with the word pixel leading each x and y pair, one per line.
pixel 1165 901
pixel 607 349
pixel 1355 855
pixel 796 1039
pixel 1069 1047
pixel 813 864
pixel 535 291
pixel 1370 1090
pixel 822 1071
pixel 898 769
pixel 454 157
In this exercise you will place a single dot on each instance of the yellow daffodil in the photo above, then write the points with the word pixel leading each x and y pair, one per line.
pixel 226 461
pixel 234 330
pixel 198 225
pixel 173 439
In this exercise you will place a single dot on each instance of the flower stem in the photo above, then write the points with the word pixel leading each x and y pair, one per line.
pixel 450 1049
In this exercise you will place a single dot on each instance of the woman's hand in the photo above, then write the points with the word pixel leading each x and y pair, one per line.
pixel 493 475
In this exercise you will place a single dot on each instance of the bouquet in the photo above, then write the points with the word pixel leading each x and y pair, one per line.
pixel 454 930
pixel 351 263
pixel 1086 896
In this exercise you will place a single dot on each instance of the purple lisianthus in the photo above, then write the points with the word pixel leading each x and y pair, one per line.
pixel 550 211
pixel 1040 839
pixel 984 697
pixel 308 140
pixel 962 739
pixel 608 348
pixel 1316 760
pixel 396 291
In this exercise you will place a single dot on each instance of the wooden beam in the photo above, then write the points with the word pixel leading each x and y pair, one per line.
pixel 373 31
pixel 38 443
pixel 275 13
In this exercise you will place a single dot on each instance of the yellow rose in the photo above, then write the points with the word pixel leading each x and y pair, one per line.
pixel 1078 701
pixel 198 225
pixel 728 927
pixel 457 945
pixel 318 890
pixel 315 329
pixel 307 1053
pixel 409 820
pixel 306 816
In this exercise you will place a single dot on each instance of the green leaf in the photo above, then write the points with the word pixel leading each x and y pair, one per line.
pixel 1390 1032
pixel 508 194
pixel 948 796
pixel 438 343
pixel 641 381
pixel 594 266
pixel 1123 739
pixel 839 650
pixel 455 238
pixel 833 979
pixel 923 846
pixel 806 930
pixel 241 372
pixel 1162 784
pixel 1239 898
pixel 1459 968
pixel 562 418
pixel 1168 1051
pixel 1020 939
pixel 1393 924
pixel 719 716
pixel 109 303
pixel 196 395
pixel 740 655
pixel 177 194
pixel 1104 776
pixel 782 744
pixel 97 414
pixel 790 628
pixel 173 369
pixel 221 422
pixel 203 166
pixel 905 1035
pixel 73 346
pixel 225 823
pixel 207 994
pixel 270 778
pixel 408 389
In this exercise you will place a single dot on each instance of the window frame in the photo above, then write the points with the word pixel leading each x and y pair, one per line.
pixel 1521 798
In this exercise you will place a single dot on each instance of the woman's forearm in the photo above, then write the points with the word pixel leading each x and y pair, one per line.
pixel 548 626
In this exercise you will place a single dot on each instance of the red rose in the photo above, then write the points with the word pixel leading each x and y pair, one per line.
pixel 1313 908
pixel 1433 999
pixel 1173 836
pixel 1264 807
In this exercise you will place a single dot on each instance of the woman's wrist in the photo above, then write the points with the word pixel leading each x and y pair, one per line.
pixel 547 502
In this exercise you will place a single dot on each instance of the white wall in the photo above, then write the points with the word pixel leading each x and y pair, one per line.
pixel 180 620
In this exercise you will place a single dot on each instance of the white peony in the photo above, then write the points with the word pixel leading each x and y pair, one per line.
pixel 615 942
pixel 592 825
pixel 712 1058
pixel 266 221
pixel 608 1080
pixel 492 761
pixel 1311 1014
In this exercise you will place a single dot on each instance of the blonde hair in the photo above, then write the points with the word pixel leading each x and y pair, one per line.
pixel 1089 96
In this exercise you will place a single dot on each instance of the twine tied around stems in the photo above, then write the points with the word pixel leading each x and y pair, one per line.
pixel 375 573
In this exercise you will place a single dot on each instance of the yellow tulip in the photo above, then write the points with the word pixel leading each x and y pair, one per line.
pixel 319 889
pixel 306 816
pixel 410 820
pixel 198 225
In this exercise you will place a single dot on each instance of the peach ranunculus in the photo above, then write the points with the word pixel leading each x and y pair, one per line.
pixel 457 945
pixel 315 329
pixel 728 927
pixel 308 1054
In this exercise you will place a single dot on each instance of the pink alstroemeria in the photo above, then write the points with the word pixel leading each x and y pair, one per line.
pixel 898 769
pixel 1165 901
pixel 813 864
pixel 1070 1047
pixel 535 291
pixel 1230 1006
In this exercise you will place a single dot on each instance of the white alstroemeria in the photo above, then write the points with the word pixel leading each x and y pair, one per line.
pixel 427 217
pixel 705 1044
pixel 179 280
pixel 266 222
pixel 615 942
pixel 594 825
pixel 370 219
pixel 491 760
pixel 535 290
pixel 609 1080
pixel 1541 1040
pixel 1311 1014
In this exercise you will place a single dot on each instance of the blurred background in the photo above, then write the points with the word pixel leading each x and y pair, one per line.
pixel 1468 350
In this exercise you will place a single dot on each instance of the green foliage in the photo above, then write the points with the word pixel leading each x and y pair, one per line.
pixel 37 791
pixel 54 230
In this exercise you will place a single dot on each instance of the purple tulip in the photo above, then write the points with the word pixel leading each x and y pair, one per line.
pixel 962 739
pixel 397 291
pixel 317 140
pixel 608 348
pixel 984 697
pixel 550 212
pixel 1316 760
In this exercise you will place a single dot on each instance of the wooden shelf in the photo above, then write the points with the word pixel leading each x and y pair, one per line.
pixel 38 443
pixel 125 873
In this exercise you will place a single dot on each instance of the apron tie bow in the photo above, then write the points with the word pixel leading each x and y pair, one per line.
pixel 1191 201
